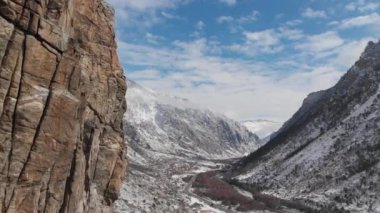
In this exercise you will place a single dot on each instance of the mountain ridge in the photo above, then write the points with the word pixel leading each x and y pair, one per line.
pixel 329 148
pixel 160 115
pixel 171 139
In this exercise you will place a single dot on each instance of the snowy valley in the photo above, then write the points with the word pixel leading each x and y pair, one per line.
pixel 277 106
pixel 170 140
pixel 324 159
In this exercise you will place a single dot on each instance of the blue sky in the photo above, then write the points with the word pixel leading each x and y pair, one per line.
pixel 248 59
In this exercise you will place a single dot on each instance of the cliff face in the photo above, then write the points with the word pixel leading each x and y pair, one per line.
pixel 61 107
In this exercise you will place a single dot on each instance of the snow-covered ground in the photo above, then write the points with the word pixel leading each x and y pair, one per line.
pixel 160 187
pixel 328 154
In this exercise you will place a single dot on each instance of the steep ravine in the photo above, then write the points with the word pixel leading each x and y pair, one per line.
pixel 61 107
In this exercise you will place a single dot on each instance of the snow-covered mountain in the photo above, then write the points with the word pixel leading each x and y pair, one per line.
pixel 170 138
pixel 172 125
pixel 262 128
pixel 328 154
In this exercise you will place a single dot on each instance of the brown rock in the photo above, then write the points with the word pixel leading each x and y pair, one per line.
pixel 61 107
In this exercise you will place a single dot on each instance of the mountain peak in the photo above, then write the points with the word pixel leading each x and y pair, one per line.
pixel 372 50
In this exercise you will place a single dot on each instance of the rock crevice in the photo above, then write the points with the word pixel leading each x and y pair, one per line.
pixel 61 107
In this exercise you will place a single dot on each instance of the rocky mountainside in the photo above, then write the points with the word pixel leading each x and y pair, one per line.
pixel 170 138
pixel 328 154
pixel 175 126
pixel 61 107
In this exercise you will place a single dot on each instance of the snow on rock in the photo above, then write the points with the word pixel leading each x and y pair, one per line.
pixel 328 154
pixel 176 126
pixel 170 140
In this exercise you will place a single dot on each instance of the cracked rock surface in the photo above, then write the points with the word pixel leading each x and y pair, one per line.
pixel 62 101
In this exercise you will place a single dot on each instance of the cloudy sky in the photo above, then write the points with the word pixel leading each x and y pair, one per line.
pixel 248 59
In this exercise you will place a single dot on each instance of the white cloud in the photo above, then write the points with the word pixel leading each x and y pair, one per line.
pixel 310 13
pixel 143 5
pixel 321 42
pixel 149 74
pixel 224 19
pixel 242 89
pixel 268 41
pixel 369 7
pixel 153 39
pixel 294 22
pixel 359 21
pixel 200 25
pixel 350 7
pixel 196 48
pixel 264 42
pixel 170 16
pixel 144 13
pixel 362 6
pixel 263 38
pixel 290 34
pixel 252 49
pixel 229 2
pixel 236 24
pixel 252 17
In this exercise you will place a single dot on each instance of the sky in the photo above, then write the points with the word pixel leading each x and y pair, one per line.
pixel 247 59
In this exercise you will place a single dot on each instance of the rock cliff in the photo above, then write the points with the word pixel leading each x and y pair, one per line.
pixel 61 107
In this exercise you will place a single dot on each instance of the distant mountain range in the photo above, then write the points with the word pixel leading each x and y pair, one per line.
pixel 173 125
pixel 168 137
pixel 262 128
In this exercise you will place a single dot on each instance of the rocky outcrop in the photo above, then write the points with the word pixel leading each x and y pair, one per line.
pixel 61 107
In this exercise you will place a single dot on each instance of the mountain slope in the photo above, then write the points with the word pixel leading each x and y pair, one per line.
pixel 328 153
pixel 175 126
pixel 169 139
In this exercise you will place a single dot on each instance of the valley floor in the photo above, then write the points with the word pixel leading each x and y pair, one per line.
pixel 166 186
pixel 175 184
